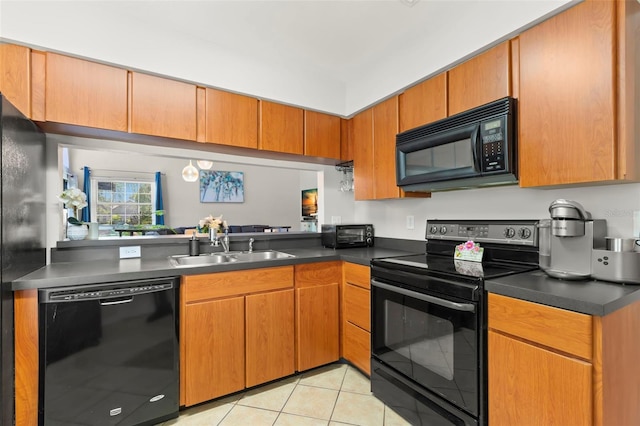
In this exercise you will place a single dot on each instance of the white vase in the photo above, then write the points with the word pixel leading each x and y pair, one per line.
pixel 77 232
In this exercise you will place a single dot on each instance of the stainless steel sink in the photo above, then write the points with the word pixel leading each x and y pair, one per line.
pixel 183 260
pixel 261 255
pixel 203 259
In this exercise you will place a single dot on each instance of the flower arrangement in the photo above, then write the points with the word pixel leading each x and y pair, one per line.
pixel 211 222
pixel 76 199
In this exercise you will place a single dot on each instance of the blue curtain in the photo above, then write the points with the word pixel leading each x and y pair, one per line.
pixel 86 188
pixel 159 206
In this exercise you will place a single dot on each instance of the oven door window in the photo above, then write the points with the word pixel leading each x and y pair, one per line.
pixel 350 235
pixel 434 345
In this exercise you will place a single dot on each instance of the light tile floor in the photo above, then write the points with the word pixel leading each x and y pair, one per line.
pixel 334 395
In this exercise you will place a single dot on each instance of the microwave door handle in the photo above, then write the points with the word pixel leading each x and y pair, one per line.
pixel 474 149
pixel 467 307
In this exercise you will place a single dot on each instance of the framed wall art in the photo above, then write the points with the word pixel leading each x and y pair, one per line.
pixel 218 186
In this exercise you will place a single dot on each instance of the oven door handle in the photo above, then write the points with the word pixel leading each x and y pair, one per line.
pixel 467 307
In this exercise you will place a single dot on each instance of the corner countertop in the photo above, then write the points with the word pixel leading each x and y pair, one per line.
pixel 590 297
pixel 64 274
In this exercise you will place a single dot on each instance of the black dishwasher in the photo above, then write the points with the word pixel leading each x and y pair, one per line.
pixel 109 353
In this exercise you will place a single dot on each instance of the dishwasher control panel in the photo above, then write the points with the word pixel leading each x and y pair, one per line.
pixel 104 291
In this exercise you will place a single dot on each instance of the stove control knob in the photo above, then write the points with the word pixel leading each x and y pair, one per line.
pixel 509 232
pixel 433 229
pixel 524 233
pixel 443 230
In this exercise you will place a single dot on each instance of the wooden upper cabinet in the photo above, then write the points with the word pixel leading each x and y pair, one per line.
pixel 385 128
pixel 321 135
pixel 14 76
pixel 346 140
pixel 163 107
pixel 423 103
pixel 280 128
pixel 363 169
pixel 567 129
pixel 85 93
pixel 231 119
pixel 482 79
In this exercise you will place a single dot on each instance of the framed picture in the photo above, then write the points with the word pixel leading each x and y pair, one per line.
pixel 221 187
pixel 309 202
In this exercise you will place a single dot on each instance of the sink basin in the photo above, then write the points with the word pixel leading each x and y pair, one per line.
pixel 261 255
pixel 182 260
pixel 203 259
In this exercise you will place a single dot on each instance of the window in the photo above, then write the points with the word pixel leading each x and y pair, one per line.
pixel 121 201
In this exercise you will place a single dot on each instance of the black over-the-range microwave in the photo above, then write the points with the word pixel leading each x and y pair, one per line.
pixel 346 236
pixel 474 148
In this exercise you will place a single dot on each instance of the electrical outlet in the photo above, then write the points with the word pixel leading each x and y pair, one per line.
pixel 129 252
pixel 410 222
pixel 336 220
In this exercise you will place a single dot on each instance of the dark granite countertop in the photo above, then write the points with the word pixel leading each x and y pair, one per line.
pixel 588 296
pixel 101 271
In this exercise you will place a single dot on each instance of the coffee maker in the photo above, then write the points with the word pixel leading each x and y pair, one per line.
pixel 567 239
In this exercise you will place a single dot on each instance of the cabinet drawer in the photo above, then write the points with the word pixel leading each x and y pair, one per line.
pixel 559 329
pixel 316 274
pixel 357 347
pixel 357 306
pixel 223 284
pixel 357 275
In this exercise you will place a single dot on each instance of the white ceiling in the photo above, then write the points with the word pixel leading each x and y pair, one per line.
pixel 335 56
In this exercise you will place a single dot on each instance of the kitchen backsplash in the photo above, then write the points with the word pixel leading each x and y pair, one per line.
pixel 615 203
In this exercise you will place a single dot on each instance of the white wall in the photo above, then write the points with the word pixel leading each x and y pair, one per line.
pixel 616 203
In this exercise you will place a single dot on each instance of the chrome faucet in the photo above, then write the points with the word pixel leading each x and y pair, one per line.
pixel 225 241
pixel 251 240
pixel 216 241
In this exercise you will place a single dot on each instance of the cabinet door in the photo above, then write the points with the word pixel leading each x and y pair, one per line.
pixel 357 347
pixel 269 336
pixel 482 79
pixel 385 129
pixel 15 76
pixel 357 306
pixel 321 135
pixel 317 317
pixel 163 107
pixel 214 349
pixel 85 93
pixel 232 119
pixel 281 128
pixel 566 107
pixel 363 155
pixel 529 385
pixel 346 147
pixel 423 103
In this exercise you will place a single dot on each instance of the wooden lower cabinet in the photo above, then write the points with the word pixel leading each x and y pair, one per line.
pixel 356 316
pixel 218 335
pixel 550 366
pixel 317 314
pixel 237 331
pixel 543 387
pixel 269 336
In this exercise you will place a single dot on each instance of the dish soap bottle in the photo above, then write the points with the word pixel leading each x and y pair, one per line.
pixel 194 246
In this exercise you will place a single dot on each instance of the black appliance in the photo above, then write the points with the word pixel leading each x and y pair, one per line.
pixel 347 236
pixel 428 320
pixel 109 353
pixel 470 149
pixel 23 245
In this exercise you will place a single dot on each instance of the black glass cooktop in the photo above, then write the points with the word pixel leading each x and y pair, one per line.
pixel 447 265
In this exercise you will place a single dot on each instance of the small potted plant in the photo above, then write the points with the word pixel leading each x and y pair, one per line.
pixel 211 222
pixel 76 199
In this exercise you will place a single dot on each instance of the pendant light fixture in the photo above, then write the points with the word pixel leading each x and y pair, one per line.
pixel 190 173
pixel 205 164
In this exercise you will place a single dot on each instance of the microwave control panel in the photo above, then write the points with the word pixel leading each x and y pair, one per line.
pixel 492 136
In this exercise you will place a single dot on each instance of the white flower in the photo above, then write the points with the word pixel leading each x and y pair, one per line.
pixel 211 222
pixel 73 197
